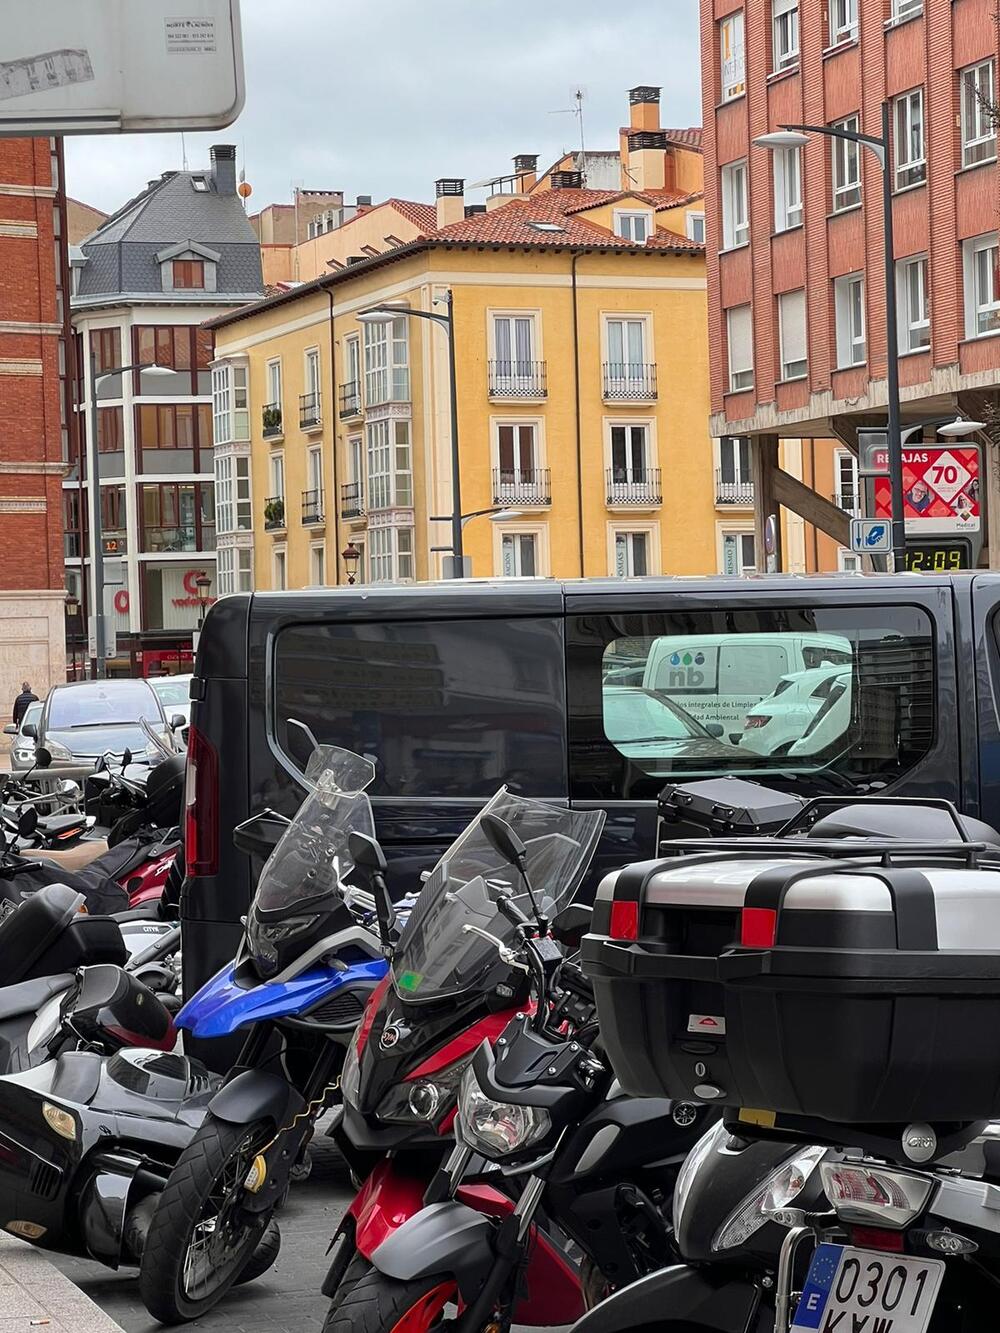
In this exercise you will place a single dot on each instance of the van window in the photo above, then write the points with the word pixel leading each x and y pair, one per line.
pixel 822 700
pixel 447 708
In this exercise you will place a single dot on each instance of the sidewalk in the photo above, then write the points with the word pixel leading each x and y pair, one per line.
pixel 34 1294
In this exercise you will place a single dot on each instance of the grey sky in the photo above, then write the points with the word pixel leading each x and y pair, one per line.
pixel 383 98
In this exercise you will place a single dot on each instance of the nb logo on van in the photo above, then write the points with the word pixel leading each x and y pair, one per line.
pixel 684 673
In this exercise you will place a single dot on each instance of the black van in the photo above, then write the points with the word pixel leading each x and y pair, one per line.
pixel 594 692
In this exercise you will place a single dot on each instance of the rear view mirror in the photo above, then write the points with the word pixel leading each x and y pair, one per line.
pixel 259 835
pixel 370 866
pixel 715 729
pixel 28 729
pixel 503 839
pixel 43 758
pixel 10 729
pixel 126 757
pixel 27 822
pixel 572 924
pixel 366 854
pixel 178 722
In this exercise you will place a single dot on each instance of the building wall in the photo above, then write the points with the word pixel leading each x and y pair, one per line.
pixel 81 220
pixel 33 415
pixel 315 258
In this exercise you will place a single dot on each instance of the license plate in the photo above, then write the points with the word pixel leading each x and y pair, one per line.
pixel 864 1291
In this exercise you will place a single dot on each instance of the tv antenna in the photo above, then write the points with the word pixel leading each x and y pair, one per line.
pixel 577 110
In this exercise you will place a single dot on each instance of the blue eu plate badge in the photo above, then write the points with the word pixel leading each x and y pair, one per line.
pixel 819 1283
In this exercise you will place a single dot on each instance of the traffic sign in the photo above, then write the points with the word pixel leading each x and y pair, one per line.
pixel 871 536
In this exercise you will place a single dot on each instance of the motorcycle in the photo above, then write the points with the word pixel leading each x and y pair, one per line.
pixel 457 980
pixel 308 962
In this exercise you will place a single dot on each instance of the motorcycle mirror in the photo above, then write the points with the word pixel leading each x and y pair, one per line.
pixel 503 839
pixel 27 822
pixel 43 757
pixel 126 757
pixel 366 854
pixel 70 789
pixel 572 924
pixel 370 864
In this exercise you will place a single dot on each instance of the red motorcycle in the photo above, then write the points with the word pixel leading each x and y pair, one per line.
pixel 455 980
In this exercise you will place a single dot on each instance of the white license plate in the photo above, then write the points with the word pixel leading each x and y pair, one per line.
pixel 865 1291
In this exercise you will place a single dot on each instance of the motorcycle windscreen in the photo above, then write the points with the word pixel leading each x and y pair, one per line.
pixel 439 956
pixel 308 866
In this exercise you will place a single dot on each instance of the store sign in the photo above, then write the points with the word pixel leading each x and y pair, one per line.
pixel 940 488
pixel 190 587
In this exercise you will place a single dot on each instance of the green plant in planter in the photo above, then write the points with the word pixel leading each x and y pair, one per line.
pixel 272 418
pixel 274 513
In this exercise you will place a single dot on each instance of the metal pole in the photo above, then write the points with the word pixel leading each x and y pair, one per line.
pixel 458 555
pixel 894 441
pixel 96 549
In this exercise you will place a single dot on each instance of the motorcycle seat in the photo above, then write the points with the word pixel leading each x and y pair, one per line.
pixel 27 997
pixel 54 824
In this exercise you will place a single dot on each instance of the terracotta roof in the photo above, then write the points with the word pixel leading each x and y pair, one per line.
pixel 423 216
pixel 689 138
pixel 657 199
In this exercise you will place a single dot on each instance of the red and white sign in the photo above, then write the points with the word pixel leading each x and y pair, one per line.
pixel 940 489
pixel 713 1024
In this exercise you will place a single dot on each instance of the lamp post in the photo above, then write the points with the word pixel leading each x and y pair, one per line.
pixel 796 136
pixel 203 591
pixel 496 515
pixel 378 315
pixel 350 556
pixel 72 611
pixel 97 553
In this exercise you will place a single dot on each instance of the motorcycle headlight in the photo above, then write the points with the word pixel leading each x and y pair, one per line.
pixel 705 1145
pixel 423 1098
pixel 58 750
pixel 781 1187
pixel 264 937
pixel 496 1129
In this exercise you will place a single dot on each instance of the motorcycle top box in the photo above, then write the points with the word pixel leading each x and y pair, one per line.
pixel 836 979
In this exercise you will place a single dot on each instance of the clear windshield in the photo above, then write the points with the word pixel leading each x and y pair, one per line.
pixel 437 957
pixel 311 860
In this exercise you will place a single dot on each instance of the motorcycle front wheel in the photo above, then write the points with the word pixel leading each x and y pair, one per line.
pixel 378 1304
pixel 201 1238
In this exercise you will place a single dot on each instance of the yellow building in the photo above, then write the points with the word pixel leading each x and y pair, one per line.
pixel 582 382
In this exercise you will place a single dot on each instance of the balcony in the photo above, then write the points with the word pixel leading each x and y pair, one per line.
pixel 517 381
pixel 629 382
pixel 634 488
pixel 739 493
pixel 352 500
pixel 274 513
pixel 312 508
pixel 270 420
pixel 309 411
pixel 521 487
pixel 350 400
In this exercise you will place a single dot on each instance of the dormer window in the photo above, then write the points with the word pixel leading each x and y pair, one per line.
pixel 200 184
pixel 188 267
pixel 189 273
pixel 634 225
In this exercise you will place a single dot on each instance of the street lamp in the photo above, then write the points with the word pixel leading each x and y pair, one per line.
pixel 72 605
pixel 796 136
pixel 379 314
pixel 350 556
pixel 494 514
pixel 97 554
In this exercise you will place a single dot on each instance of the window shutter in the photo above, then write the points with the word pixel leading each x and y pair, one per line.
pixel 740 338
pixel 793 326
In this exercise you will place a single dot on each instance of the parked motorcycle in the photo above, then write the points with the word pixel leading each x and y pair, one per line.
pixel 307 964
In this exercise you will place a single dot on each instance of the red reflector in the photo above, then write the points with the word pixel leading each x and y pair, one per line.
pixel 870 1238
pixel 201 806
pixel 624 921
pixel 755 720
pixel 759 927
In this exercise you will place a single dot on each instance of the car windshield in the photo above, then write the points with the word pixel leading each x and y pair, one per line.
pixel 634 715
pixel 31 715
pixel 440 954
pixel 172 690
pixel 103 704
pixel 312 860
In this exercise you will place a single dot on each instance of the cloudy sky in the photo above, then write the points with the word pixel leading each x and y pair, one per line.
pixel 383 98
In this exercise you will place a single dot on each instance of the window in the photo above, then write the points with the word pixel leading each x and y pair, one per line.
pixel 317 566
pixel 390 472
pixel 979 131
pixel 390 554
pixel 235 568
pixel 732 54
pixel 355 459
pixel 452 708
pixel 739 327
pixel 696 227
pixel 113 513
pixel 106 347
pixel 164 346
pixel 278 476
pixel 904 9
pixel 169 517
pixel 914 302
pixel 515 367
pixel 849 303
pixel 188 273
pixel 787 189
pixel 230 414
pixel 735 207
pixel 846 465
pixel 274 383
pixel 627 372
pixel 182 427
pixel 631 554
pixel 387 374
pixel 233 509
pixel 981 262
pixel 279 567
pixel 735 468
pixel 110 430
pixel 634 226
pixel 739 553
pixel 629 453
pixel 315 471
pixel 792 335
pixel 848 562
pixel 843 21
pixel 312 382
pixel 785 33
pixel 846 166
pixel 518 478
pixel 519 555
pixel 911 159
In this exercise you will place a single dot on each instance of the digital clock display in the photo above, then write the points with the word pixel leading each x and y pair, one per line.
pixel 937 557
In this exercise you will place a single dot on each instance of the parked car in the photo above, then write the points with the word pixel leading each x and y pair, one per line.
pixel 640 722
pixel 775 724
pixel 83 720
pixel 174 693
pixel 22 745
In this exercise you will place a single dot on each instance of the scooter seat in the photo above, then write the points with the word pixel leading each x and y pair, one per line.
pixel 27 997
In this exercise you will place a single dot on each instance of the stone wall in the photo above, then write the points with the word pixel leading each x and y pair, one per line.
pixel 32 643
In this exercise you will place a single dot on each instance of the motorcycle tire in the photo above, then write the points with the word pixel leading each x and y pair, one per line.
pixel 378 1304
pixel 356 1268
pixel 263 1256
pixel 208 1176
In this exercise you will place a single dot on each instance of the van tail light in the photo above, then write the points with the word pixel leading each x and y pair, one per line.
pixel 755 720
pixel 624 920
pixel 201 806
pixel 875 1197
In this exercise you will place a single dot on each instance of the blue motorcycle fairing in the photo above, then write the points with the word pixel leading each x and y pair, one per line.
pixel 222 1006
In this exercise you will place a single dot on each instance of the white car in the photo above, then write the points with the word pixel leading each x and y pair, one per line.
pixel 774 725
pixel 174 693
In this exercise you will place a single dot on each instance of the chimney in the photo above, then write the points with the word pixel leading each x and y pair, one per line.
pixel 474 210
pixel 526 168
pixel 644 107
pixel 223 157
pixel 450 194
pixel 648 153
pixel 364 201
pixel 567 180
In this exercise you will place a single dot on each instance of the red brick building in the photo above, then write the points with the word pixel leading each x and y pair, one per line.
pixel 795 240
pixel 34 414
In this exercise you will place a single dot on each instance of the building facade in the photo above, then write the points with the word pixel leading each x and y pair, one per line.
pixel 796 277
pixel 35 414
pixel 143 283
pixel 582 377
